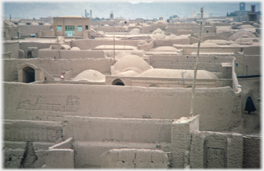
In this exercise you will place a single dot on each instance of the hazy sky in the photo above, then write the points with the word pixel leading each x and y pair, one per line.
pixel 132 9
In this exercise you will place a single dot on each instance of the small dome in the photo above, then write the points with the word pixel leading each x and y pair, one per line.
pixel 158 30
pixel 241 34
pixel 65 47
pixel 90 75
pixel 158 36
pixel 161 22
pixel 142 42
pixel 135 31
pixel 75 48
pixel 130 62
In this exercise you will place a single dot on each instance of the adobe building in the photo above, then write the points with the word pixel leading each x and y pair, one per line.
pixel 10 30
pixel 124 102
pixel 71 26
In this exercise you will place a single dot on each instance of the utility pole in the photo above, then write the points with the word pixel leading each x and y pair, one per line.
pixel 196 65
pixel 114 41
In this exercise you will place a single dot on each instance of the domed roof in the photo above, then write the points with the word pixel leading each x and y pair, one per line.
pixel 175 73
pixel 130 62
pixel 90 75
pixel 240 34
pixel 75 48
pixel 142 42
pixel 171 36
pixel 160 22
pixel 158 36
pixel 158 30
pixel 65 47
pixel 134 31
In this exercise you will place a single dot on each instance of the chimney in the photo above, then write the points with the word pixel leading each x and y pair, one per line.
pixel 252 8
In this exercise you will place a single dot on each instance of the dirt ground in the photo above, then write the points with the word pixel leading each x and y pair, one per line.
pixel 250 123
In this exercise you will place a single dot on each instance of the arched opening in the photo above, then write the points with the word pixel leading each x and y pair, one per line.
pixel 118 82
pixel 29 54
pixel 28 74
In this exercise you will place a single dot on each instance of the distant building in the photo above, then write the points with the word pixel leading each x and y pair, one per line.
pixel 71 25
pixel 253 16
pixel 10 30
pixel 242 6
pixel 243 15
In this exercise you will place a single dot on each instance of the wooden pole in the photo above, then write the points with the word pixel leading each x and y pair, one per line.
pixel 196 65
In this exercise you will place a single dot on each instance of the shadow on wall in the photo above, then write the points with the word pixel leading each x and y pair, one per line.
pixel 28 74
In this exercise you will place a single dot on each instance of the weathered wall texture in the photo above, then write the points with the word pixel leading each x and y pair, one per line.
pixel 216 150
pixel 116 129
pixel 252 65
pixel 60 155
pixel 55 67
pixel 181 139
pixel 18 154
pixel 26 142
pixel 210 63
pixel 26 30
pixel 94 136
pixel 69 54
pixel 219 107
pixel 194 149
pixel 245 64
pixel 134 158
pixel 190 50
pixel 168 82
pixel 11 49
pixel 25 45
pixel 252 151
pixel 92 43
pixel 37 131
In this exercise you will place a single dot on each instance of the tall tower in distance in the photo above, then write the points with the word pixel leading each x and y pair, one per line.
pixel 91 14
pixel 86 14
pixel 242 6
pixel 111 15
